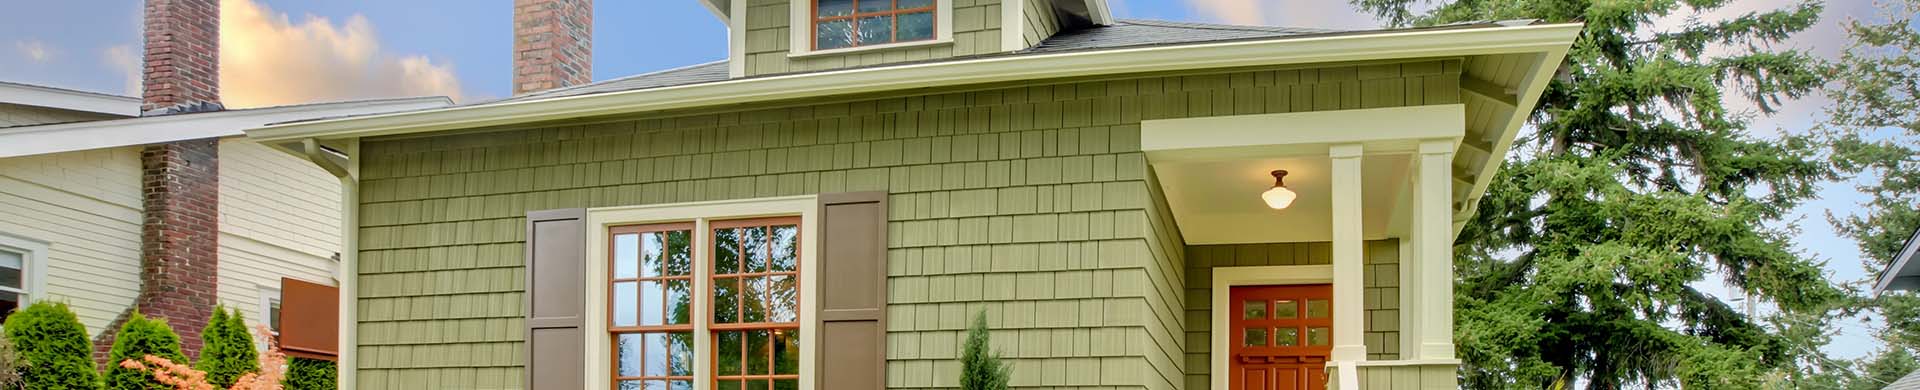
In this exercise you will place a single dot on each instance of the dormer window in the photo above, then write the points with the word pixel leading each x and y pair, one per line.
pixel 841 24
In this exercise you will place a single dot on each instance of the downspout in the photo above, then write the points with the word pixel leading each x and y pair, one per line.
pixel 343 164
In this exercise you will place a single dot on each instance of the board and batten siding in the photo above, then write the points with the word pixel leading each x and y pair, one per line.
pixel 976 30
pixel 1381 292
pixel 279 217
pixel 86 206
pixel 1030 202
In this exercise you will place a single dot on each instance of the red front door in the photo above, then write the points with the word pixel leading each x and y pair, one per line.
pixel 1280 337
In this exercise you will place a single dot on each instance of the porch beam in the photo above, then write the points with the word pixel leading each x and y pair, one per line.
pixel 1433 225
pixel 1490 91
pixel 1348 263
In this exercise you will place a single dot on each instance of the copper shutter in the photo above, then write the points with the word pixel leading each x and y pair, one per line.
pixel 309 319
pixel 555 300
pixel 853 320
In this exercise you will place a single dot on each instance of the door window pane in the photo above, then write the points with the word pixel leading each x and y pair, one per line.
pixel 1253 310
pixel 1286 308
pixel 1256 337
pixel 1286 337
pixel 1319 336
pixel 1317 308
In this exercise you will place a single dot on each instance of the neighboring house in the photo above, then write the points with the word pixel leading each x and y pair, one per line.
pixel 1902 275
pixel 829 207
pixel 168 210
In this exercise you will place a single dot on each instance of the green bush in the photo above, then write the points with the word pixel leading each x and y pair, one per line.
pixel 309 374
pixel 54 348
pixel 226 349
pixel 981 369
pixel 139 337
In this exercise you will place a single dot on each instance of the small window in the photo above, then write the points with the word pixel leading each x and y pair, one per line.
pixel 839 24
pixel 270 308
pixel 13 286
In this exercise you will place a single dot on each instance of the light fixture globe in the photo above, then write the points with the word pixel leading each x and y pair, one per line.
pixel 1278 197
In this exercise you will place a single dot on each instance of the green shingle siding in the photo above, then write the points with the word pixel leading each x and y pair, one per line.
pixel 1382 294
pixel 976 30
pixel 1032 203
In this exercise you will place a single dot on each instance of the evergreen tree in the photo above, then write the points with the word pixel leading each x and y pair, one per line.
pixel 141 336
pixel 981 368
pixel 1633 186
pixel 309 374
pixel 54 347
pixel 226 349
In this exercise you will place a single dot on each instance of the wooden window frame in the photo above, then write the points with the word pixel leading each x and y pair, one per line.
pixel 614 331
pixel 714 328
pixel 814 20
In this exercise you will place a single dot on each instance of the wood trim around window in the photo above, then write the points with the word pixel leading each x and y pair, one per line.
pixel 714 328
pixel 614 331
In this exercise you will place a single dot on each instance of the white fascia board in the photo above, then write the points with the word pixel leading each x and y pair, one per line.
pixel 56 138
pixel 70 100
pixel 1903 267
pixel 1233 137
pixel 1553 38
pixel 718 8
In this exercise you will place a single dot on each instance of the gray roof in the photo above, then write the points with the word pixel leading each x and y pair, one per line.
pixel 1909 382
pixel 1122 34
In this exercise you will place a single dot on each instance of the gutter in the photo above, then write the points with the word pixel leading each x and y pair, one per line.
pixel 1549 38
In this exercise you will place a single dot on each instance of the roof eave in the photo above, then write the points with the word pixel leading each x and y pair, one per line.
pixel 67 99
pixel 1547 39
pixel 1899 268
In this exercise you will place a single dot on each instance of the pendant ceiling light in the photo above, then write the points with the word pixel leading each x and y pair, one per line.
pixel 1278 197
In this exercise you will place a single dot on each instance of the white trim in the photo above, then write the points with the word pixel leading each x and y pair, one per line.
pixel 715 9
pixel 33 264
pixel 737 41
pixel 1433 224
pixel 1403 363
pixel 67 99
pixel 1349 263
pixel 1013 25
pixel 1358 47
pixel 1099 12
pixel 66 137
pixel 1224 278
pixel 1233 137
pixel 346 273
pixel 268 296
pixel 599 361
pixel 800 31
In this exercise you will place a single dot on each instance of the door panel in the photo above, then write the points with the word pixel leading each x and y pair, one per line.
pixel 1280 336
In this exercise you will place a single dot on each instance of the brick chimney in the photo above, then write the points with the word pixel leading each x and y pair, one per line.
pixel 552 44
pixel 180 228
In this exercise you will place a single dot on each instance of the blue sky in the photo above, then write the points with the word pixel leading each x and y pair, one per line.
pixel 345 49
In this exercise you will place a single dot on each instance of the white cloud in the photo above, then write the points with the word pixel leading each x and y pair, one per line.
pixel 34 50
pixel 1231 11
pixel 267 59
pixel 1291 13
pixel 125 60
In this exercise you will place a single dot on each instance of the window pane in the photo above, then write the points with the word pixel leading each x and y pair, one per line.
pixel 679 301
pixel 627 356
pixel 680 361
pixel 833 35
pixel 836 7
pixel 753 305
pixel 783 248
pixel 1253 310
pixel 786 384
pixel 727 353
pixel 1256 337
pixel 655 385
pixel 680 385
pixel 730 385
pixel 624 297
pixel 1286 337
pixel 759 356
pixel 1317 308
pixel 273 315
pixel 1286 308
pixel 650 255
pixel 629 385
pixel 876 30
pixel 916 26
pixel 875 5
pixel 626 249
pixel 761 384
pixel 656 356
pixel 911 4
pixel 651 312
pixel 786 351
pixel 726 300
pixel 679 253
pixel 726 255
pixel 1319 336
pixel 753 247
pixel 784 305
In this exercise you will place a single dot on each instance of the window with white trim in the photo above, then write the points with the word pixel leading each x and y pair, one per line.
pixel 736 285
pixel 270 308
pixel 839 24
pixel 22 272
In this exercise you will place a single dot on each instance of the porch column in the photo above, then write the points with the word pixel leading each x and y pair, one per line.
pixel 1349 322
pixel 1433 224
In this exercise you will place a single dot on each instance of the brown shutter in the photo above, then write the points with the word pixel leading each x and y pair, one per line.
pixel 309 319
pixel 555 299
pixel 853 313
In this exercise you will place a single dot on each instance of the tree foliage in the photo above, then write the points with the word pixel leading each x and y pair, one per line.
pixel 140 337
pixel 53 346
pixel 310 374
pixel 980 367
pixel 226 349
pixel 1636 184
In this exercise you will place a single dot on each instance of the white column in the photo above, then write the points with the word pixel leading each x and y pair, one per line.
pixel 1434 225
pixel 1349 323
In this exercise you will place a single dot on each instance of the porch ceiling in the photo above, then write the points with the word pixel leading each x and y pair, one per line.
pixel 1218 202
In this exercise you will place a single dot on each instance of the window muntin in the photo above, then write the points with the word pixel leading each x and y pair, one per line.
pixel 651 303
pixel 756 302
pixel 840 24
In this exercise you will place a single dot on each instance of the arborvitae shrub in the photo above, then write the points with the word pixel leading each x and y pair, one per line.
pixel 309 374
pixel 54 348
pixel 226 349
pixel 980 368
pixel 139 337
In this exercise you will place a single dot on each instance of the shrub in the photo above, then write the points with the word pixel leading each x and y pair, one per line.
pixel 981 369
pixel 10 366
pixel 226 349
pixel 181 377
pixel 54 348
pixel 309 374
pixel 138 338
